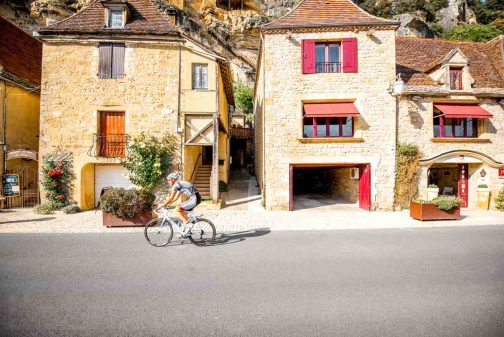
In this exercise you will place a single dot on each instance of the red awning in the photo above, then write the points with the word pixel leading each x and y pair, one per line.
pixel 346 109
pixel 463 111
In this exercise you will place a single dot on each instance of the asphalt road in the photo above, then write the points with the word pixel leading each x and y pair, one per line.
pixel 427 282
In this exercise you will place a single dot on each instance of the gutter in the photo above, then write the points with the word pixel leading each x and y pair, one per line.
pixel 372 24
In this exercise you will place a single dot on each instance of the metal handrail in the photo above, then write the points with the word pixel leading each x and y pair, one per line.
pixel 109 145
pixel 328 67
pixel 194 168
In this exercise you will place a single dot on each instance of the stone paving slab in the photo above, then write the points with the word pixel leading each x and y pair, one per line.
pixel 25 221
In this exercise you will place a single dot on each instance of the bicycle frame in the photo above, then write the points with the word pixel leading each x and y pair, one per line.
pixel 168 218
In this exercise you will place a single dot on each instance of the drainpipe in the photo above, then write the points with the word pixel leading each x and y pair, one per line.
pixel 263 188
pixel 4 129
pixel 179 126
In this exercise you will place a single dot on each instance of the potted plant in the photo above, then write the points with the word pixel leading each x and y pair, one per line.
pixel 432 191
pixel 126 207
pixel 440 208
pixel 483 196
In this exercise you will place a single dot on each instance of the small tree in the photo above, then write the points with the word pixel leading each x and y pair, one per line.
pixel 476 33
pixel 499 200
pixel 244 97
pixel 148 158
pixel 57 178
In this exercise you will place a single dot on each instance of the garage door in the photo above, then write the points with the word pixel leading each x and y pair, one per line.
pixel 110 176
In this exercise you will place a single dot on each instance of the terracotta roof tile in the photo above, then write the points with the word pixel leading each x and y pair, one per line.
pixel 144 18
pixel 416 56
pixel 315 13
pixel 20 54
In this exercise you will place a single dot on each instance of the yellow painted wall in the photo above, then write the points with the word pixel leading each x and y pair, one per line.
pixel 23 111
pixel 191 155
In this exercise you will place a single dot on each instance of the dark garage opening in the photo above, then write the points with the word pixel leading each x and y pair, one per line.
pixel 325 188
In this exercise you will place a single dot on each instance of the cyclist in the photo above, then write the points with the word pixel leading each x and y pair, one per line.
pixel 180 187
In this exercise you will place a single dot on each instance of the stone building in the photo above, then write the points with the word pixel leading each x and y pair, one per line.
pixel 450 98
pixel 118 68
pixel 20 71
pixel 335 92
pixel 325 121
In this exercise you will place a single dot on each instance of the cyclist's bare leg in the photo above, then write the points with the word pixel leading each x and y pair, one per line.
pixel 181 213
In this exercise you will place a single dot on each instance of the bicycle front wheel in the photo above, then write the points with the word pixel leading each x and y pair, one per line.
pixel 203 232
pixel 158 232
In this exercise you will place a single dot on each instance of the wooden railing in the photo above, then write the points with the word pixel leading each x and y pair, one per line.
pixel 195 167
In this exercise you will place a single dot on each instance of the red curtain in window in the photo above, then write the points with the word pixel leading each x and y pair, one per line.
pixel 308 56
pixel 350 55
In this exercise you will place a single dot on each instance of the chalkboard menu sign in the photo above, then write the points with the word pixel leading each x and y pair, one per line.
pixel 10 185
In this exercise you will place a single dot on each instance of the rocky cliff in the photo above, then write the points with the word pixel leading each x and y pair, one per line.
pixel 232 28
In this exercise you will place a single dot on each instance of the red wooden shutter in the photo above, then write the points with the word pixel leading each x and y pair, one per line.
pixel 105 53
pixel 118 60
pixel 350 55
pixel 308 56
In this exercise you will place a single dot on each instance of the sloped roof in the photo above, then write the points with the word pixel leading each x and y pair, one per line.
pixel 415 57
pixel 327 13
pixel 20 54
pixel 144 19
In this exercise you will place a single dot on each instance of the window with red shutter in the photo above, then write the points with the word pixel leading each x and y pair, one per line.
pixel 308 56
pixel 350 55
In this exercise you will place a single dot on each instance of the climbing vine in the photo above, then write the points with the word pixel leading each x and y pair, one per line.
pixel 57 178
pixel 406 184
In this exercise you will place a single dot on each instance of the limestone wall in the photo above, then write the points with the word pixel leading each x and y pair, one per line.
pixel 285 90
pixel 342 187
pixel 72 97
pixel 416 127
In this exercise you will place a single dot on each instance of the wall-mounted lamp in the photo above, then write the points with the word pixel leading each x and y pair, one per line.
pixel 289 34
pixel 370 32
pixel 416 98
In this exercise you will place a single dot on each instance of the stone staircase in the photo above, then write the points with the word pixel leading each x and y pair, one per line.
pixel 202 181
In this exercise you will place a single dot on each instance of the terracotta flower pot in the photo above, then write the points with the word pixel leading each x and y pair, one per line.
pixel 425 212
pixel 140 220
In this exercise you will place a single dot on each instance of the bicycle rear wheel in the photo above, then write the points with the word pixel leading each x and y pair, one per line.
pixel 158 232
pixel 203 232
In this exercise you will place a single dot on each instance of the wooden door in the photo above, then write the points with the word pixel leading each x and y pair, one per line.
pixel 463 185
pixel 365 187
pixel 112 138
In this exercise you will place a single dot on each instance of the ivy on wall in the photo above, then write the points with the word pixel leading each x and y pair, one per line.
pixel 406 184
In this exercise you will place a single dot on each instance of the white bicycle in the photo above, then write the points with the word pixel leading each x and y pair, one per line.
pixel 159 231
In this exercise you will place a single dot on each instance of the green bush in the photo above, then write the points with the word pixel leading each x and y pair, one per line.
pixel 499 199
pixel 472 32
pixel 148 158
pixel 223 186
pixel 446 203
pixel 71 209
pixel 45 208
pixel 432 186
pixel 406 180
pixel 126 204
pixel 482 186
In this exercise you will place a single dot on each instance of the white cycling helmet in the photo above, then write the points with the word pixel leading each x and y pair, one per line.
pixel 174 176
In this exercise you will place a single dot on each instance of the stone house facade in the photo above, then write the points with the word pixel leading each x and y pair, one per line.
pixel 450 103
pixel 313 83
pixel 119 68
pixel 321 100
pixel 20 73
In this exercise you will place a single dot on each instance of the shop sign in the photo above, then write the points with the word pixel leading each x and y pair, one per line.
pixel 10 185
pixel 501 173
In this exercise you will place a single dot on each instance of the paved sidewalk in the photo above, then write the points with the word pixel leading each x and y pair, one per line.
pixel 25 221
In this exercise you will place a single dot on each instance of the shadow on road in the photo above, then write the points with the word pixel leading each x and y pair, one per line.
pixel 235 237
pixel 27 220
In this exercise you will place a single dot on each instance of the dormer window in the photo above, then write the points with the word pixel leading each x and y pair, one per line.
pixel 455 78
pixel 116 18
